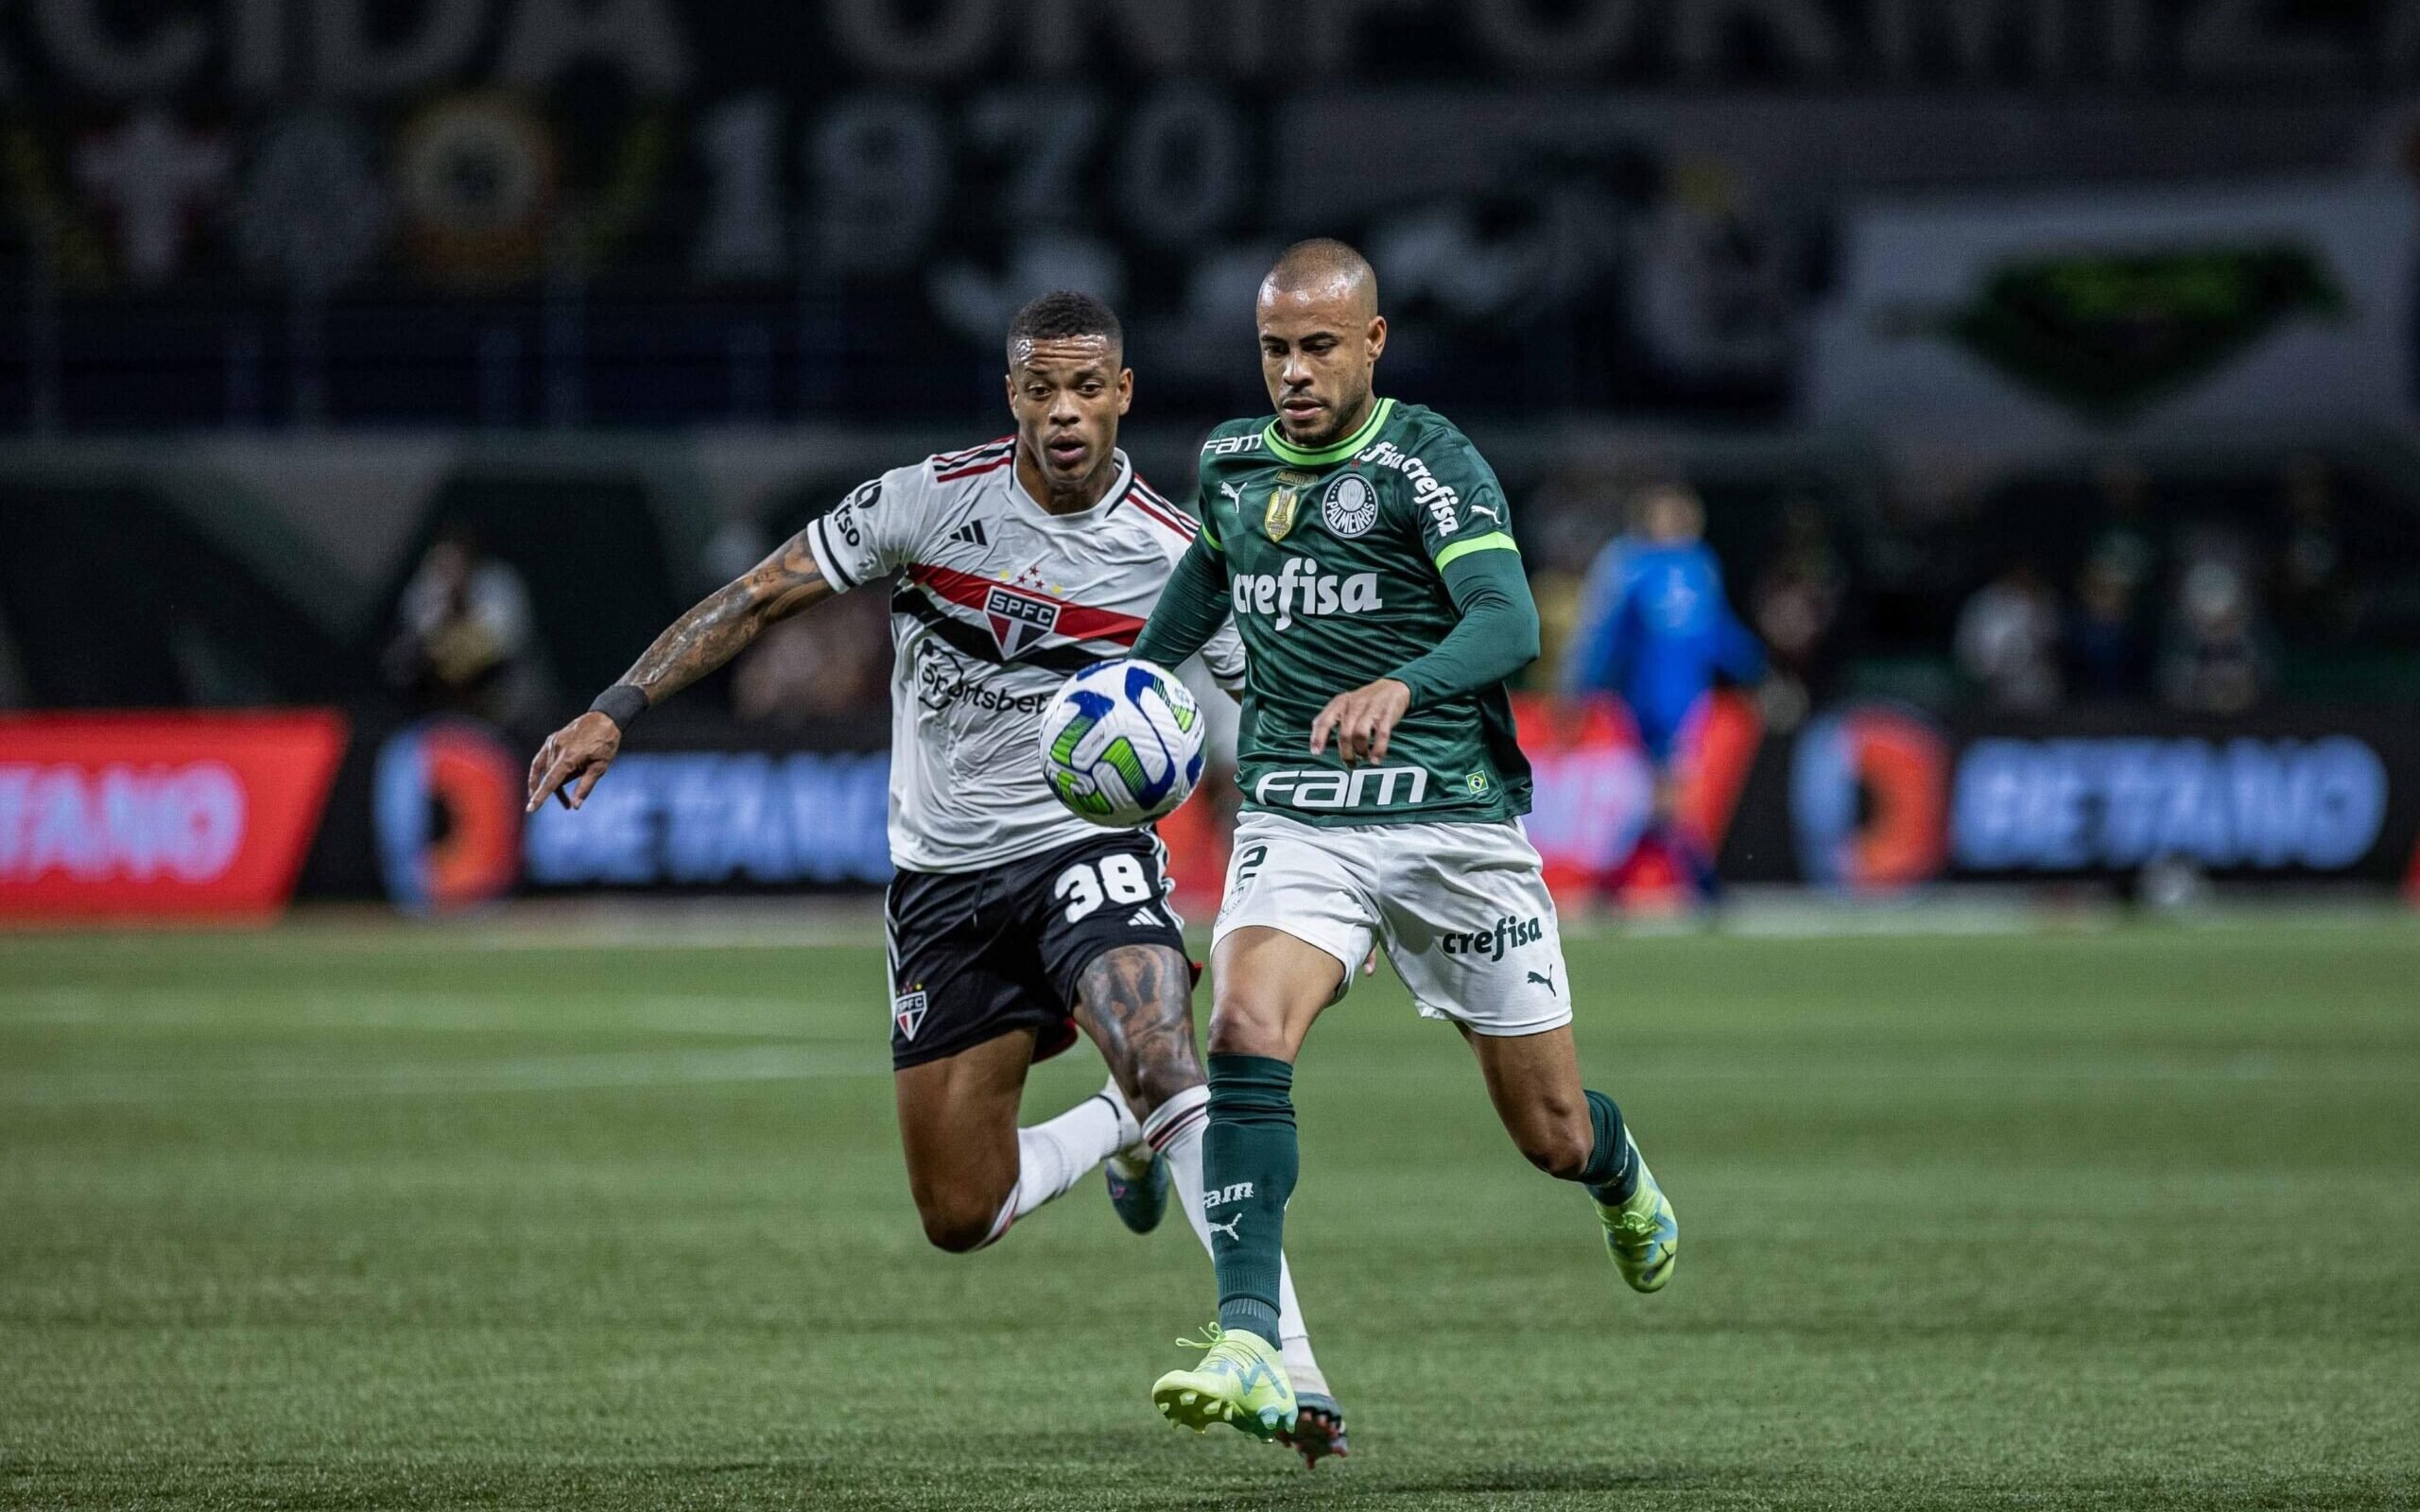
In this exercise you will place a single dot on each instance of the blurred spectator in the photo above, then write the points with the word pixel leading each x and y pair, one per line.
pixel 2126 544
pixel 830 662
pixel 463 644
pixel 1797 601
pixel 1565 522
pixel 1655 628
pixel 2007 640
pixel 13 693
pixel 2108 655
pixel 2217 660
pixel 2315 597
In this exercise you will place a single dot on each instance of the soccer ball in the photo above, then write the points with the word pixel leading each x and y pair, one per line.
pixel 1121 743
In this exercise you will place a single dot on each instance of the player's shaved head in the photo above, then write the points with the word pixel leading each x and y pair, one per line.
pixel 1325 269
pixel 1321 335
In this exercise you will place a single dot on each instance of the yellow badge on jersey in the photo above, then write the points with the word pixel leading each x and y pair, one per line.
pixel 1284 501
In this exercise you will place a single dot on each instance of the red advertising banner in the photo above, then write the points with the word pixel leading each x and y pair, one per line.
pixel 159 815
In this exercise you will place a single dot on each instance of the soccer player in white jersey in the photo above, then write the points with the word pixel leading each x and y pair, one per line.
pixel 1010 922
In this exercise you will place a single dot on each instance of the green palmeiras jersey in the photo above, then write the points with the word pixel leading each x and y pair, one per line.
pixel 1333 562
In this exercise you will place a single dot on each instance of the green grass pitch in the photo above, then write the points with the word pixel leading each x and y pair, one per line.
pixel 2118 1218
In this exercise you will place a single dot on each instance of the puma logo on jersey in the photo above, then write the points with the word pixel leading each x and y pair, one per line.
pixel 1235 495
pixel 1237 1193
pixel 1301 588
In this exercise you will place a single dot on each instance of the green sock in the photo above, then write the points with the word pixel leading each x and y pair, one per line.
pixel 1611 1171
pixel 1248 1162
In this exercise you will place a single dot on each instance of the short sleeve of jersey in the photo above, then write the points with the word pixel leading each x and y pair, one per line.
pixel 870 533
pixel 1456 502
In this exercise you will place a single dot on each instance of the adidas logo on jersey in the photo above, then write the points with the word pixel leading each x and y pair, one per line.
pixel 1301 588
pixel 970 533
pixel 1143 918
pixel 1508 934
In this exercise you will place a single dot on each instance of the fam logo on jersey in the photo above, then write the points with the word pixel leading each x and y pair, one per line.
pixel 1018 618
pixel 1320 787
pixel 1350 506
pixel 908 1012
pixel 1508 934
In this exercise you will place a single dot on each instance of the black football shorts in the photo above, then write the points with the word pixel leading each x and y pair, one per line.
pixel 977 954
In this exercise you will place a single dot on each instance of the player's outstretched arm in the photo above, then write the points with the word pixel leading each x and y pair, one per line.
pixel 717 629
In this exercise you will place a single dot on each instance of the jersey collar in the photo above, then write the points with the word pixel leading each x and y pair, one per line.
pixel 1286 450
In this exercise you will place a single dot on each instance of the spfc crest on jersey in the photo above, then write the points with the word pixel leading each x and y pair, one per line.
pixel 908 1012
pixel 1018 618
pixel 1284 502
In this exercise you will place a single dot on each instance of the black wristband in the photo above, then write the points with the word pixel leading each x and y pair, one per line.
pixel 621 703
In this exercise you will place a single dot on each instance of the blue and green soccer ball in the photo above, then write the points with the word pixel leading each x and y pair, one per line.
pixel 1121 743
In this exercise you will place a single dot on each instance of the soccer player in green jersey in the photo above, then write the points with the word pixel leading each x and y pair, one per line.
pixel 1362 547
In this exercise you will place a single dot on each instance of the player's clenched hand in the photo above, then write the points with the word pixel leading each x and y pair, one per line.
pixel 573 759
pixel 1362 720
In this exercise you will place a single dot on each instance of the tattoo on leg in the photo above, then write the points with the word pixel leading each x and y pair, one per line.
pixel 1136 1002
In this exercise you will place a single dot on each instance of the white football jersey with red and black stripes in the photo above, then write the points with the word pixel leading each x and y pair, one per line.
pixel 994 600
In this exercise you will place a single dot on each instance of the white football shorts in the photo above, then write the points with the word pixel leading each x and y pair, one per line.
pixel 1461 910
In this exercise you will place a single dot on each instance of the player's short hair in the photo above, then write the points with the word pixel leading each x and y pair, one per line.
pixel 1062 314
pixel 1322 260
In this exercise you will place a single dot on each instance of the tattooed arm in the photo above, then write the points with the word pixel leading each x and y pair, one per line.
pixel 1136 1002
pixel 709 635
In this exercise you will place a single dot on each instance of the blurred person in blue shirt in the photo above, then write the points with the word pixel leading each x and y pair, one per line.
pixel 1656 631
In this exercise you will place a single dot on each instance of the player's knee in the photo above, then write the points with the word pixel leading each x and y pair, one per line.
pixel 1239 1026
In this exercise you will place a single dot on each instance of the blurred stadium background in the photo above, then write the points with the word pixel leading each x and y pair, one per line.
pixel 377 376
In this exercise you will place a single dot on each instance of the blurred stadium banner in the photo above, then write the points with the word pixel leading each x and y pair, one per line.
pixel 2031 323
pixel 500 212
pixel 176 817
pixel 166 816
pixel 1880 798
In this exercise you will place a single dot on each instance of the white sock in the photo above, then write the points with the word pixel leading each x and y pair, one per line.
pixel 1054 1155
pixel 1175 1130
